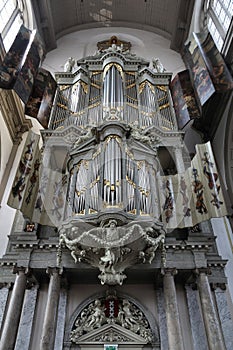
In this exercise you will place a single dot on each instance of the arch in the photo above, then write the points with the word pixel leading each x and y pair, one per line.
pixel 121 296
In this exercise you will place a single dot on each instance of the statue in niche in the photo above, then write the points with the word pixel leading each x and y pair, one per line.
pixel 69 65
pixel 157 65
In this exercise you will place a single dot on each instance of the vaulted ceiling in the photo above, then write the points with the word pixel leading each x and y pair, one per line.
pixel 168 18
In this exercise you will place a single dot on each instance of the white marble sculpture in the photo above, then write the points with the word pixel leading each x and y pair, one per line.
pixel 112 248
pixel 157 65
pixel 69 65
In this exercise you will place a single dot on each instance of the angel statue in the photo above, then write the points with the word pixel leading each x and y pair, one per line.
pixel 69 65
pixel 157 65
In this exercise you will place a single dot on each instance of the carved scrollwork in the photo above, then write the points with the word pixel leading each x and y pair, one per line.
pixel 95 315
pixel 111 248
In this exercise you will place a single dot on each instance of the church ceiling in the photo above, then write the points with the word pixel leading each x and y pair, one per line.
pixel 168 18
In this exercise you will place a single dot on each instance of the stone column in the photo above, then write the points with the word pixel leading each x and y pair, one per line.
pixel 27 317
pixel 212 326
pixel 11 323
pixel 177 150
pixel 4 292
pixel 162 319
pixel 50 319
pixel 196 319
pixel 61 319
pixel 224 314
pixel 175 341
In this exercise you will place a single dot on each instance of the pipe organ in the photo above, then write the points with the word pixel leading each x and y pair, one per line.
pixel 113 89
pixel 113 176
pixel 115 100
pixel 108 196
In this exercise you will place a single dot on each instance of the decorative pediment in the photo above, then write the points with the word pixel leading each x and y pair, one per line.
pixel 111 333
pixel 111 320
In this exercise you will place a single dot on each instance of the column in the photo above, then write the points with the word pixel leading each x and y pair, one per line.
pixel 175 341
pixel 212 326
pixel 27 317
pixel 196 319
pixel 50 319
pixel 162 319
pixel 61 319
pixel 224 314
pixel 4 292
pixel 177 150
pixel 11 323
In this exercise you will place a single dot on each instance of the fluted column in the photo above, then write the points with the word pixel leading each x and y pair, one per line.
pixel 175 341
pixel 212 326
pixel 11 323
pixel 50 319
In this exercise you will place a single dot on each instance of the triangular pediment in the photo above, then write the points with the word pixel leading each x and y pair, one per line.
pixel 111 333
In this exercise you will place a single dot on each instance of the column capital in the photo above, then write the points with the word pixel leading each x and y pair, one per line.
pixel 202 270
pixel 54 270
pixel 177 147
pixel 215 286
pixel 7 285
pixel 169 271
pixel 21 270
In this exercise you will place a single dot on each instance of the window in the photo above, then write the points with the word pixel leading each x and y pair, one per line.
pixel 219 16
pixel 10 21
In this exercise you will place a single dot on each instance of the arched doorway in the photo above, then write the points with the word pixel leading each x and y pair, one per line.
pixel 112 322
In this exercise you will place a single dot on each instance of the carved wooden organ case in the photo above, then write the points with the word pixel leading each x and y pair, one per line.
pixel 112 134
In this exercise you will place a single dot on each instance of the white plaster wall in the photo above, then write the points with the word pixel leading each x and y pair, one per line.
pixel 6 146
pixel 7 214
pixel 83 43
pixel 224 240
